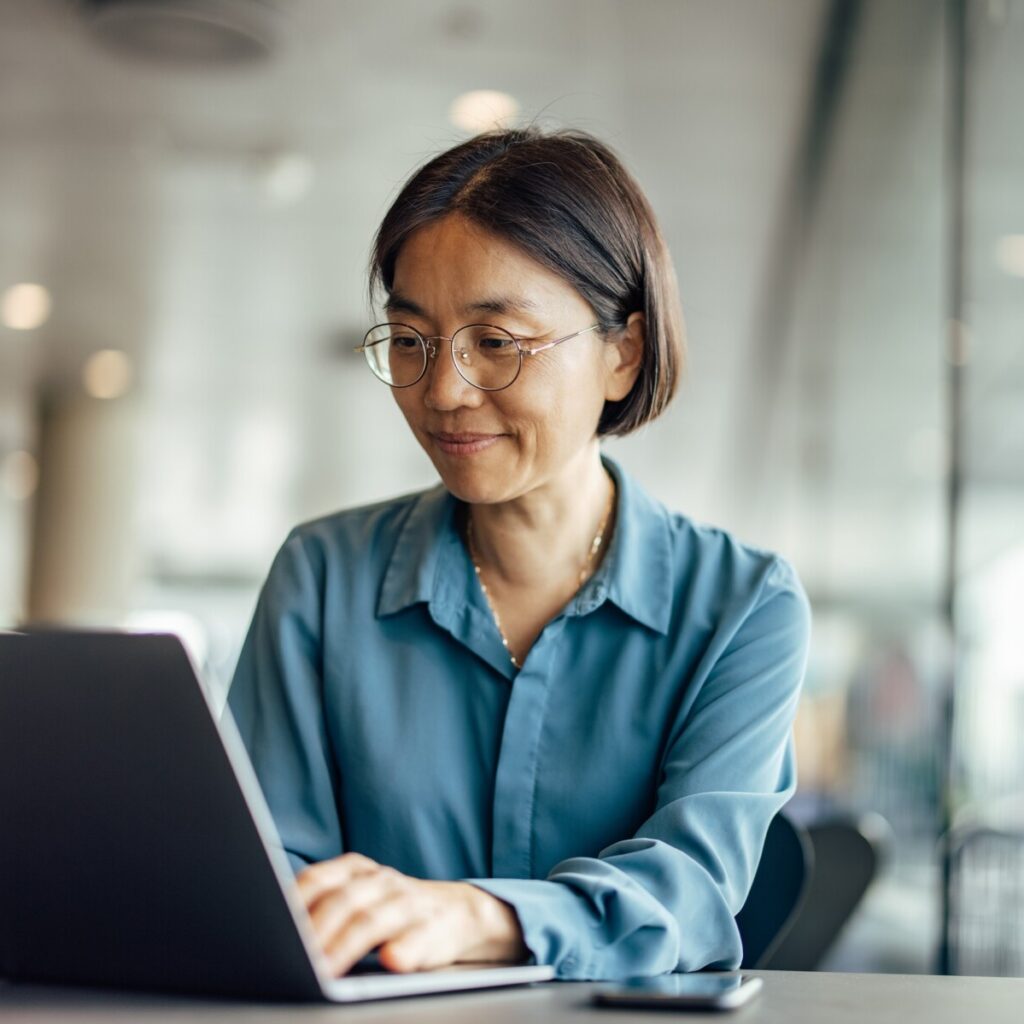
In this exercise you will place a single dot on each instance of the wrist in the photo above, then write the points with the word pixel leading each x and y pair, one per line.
pixel 497 925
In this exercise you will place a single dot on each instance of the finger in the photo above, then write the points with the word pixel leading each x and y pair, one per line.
pixel 314 881
pixel 334 908
pixel 333 873
pixel 367 929
pixel 423 946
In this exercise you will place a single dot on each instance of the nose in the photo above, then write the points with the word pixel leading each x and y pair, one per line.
pixel 445 387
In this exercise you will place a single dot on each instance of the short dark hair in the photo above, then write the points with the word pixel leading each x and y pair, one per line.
pixel 567 200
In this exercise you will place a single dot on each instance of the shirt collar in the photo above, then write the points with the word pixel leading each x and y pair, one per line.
pixel 426 535
pixel 636 574
pixel 427 563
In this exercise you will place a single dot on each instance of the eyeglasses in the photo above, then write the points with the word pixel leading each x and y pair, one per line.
pixel 488 357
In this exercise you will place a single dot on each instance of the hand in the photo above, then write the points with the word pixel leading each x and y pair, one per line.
pixel 356 905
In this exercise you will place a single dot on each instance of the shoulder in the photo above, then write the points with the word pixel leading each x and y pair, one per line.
pixel 763 615
pixel 361 535
pixel 734 564
pixel 715 581
pixel 747 606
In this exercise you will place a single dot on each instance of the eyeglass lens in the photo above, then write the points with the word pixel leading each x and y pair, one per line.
pixel 487 357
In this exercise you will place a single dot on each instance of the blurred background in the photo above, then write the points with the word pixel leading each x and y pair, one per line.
pixel 188 189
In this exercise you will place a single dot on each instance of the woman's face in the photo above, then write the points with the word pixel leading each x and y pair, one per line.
pixel 492 446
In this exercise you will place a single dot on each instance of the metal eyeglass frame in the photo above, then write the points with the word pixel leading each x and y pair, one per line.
pixel 431 350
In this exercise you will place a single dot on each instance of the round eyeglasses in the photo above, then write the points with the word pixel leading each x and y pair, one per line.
pixel 488 357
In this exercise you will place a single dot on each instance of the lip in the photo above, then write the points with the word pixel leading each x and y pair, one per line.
pixel 464 443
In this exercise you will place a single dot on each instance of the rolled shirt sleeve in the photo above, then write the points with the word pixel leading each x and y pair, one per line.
pixel 665 899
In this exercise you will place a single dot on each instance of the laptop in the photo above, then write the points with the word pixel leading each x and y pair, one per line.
pixel 136 849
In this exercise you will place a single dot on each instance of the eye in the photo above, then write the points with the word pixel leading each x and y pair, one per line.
pixel 495 343
pixel 404 342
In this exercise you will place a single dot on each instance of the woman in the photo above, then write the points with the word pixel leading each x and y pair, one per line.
pixel 529 713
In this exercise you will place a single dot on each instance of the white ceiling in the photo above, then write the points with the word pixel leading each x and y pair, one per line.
pixel 137 195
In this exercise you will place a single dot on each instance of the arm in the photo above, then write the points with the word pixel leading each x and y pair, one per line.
pixel 355 905
pixel 665 899
pixel 276 699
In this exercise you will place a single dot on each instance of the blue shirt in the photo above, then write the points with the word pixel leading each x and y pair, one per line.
pixel 615 791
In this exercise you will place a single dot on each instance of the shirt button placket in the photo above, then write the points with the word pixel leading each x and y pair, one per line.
pixel 516 776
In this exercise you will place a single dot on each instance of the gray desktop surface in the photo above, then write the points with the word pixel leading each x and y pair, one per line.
pixel 788 998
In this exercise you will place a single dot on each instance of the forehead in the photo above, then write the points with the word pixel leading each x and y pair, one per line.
pixel 456 263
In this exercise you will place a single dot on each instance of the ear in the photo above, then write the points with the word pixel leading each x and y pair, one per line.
pixel 623 355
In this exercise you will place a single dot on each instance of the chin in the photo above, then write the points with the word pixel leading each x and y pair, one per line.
pixel 473 485
pixel 484 478
pixel 466 487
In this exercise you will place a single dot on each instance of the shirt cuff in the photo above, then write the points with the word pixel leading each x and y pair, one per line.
pixel 549 915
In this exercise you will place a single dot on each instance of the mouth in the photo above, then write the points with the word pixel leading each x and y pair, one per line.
pixel 465 443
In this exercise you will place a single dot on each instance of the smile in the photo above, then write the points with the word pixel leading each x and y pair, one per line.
pixel 464 444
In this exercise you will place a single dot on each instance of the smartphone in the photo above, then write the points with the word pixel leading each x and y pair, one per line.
pixel 682 992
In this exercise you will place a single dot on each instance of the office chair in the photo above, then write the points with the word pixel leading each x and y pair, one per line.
pixel 778 891
pixel 848 852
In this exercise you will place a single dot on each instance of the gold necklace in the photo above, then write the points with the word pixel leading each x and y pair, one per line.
pixel 585 572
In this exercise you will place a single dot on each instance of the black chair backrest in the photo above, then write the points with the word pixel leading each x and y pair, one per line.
pixel 778 890
pixel 847 855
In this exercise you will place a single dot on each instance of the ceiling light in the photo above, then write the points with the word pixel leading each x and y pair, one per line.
pixel 107 373
pixel 25 306
pixel 482 110
pixel 286 177
pixel 187 33
pixel 1010 255
pixel 19 475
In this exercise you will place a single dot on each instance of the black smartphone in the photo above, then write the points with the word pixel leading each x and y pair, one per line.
pixel 681 992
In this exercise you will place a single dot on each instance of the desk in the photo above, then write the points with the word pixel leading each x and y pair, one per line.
pixel 788 997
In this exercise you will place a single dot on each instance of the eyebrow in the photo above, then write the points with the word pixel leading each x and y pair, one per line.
pixel 398 303
pixel 500 304
pixel 503 304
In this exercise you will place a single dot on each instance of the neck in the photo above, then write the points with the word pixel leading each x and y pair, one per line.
pixel 544 537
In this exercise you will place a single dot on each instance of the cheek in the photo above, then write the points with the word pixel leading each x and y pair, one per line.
pixel 578 381
pixel 537 401
pixel 563 398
